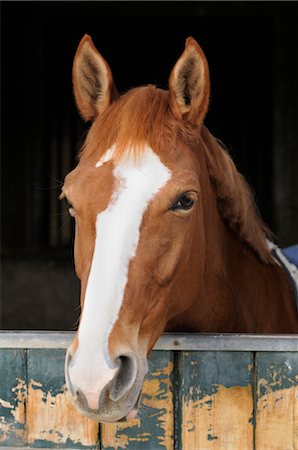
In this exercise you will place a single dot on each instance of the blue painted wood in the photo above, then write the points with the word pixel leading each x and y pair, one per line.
pixel 182 392
pixel 276 371
pixel 276 400
pixel 211 384
pixel 47 395
pixel 154 428
pixel 12 397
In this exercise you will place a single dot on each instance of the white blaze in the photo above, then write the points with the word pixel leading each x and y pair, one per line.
pixel 117 237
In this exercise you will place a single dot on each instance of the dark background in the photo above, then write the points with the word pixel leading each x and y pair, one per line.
pixel 252 51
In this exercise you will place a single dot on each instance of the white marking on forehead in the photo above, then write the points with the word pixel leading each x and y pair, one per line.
pixel 117 237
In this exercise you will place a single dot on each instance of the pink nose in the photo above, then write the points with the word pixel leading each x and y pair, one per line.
pixel 91 388
pixel 87 382
pixel 92 399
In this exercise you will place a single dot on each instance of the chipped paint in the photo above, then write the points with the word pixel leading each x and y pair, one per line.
pixel 155 424
pixel 54 418
pixel 277 401
pixel 277 420
pixel 216 404
pixel 5 404
pixel 4 429
pixel 157 395
pixel 220 420
pixel 17 411
pixel 114 435
pixel 20 391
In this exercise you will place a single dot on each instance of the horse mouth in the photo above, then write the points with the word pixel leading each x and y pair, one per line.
pixel 109 410
pixel 134 412
pixel 114 405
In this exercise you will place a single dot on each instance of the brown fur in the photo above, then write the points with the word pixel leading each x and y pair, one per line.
pixel 92 79
pixel 207 268
pixel 189 84
pixel 235 199
pixel 142 116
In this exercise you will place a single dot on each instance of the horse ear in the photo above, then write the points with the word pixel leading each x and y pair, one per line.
pixel 92 79
pixel 189 84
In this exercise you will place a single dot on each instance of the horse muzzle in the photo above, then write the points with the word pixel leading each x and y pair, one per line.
pixel 119 398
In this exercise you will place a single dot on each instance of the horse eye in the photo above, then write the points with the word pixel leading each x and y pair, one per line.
pixel 184 202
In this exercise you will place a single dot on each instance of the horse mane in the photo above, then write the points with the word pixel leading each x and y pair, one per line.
pixel 143 116
pixel 140 116
pixel 235 199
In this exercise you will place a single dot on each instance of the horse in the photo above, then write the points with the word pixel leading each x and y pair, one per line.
pixel 167 234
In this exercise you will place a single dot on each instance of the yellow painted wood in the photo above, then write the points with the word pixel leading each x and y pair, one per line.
pixel 214 409
pixel 277 401
pixel 51 416
pixel 216 400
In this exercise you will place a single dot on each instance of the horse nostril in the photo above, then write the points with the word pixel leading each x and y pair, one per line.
pixel 125 376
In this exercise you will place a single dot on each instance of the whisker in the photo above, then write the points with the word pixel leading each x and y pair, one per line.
pixel 65 222
pixel 61 214
pixel 54 178
pixel 48 188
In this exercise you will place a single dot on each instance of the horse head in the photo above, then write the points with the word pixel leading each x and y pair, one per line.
pixel 135 197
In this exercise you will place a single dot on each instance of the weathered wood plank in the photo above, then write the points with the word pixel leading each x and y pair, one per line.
pixel 51 417
pixel 277 401
pixel 154 428
pixel 12 397
pixel 216 398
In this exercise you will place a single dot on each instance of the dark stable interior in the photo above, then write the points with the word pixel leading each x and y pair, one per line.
pixel 252 53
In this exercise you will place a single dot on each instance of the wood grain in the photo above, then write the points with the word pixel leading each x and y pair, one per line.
pixel 216 397
pixel 12 397
pixel 277 401
pixel 51 416
pixel 154 428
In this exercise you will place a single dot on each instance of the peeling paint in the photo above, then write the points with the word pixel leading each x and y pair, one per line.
pixel 115 435
pixel 4 429
pixel 277 420
pixel 219 421
pixel 216 404
pixel 55 418
pixel 155 422
pixel 20 390
pixel 5 404
pixel 17 411
pixel 157 395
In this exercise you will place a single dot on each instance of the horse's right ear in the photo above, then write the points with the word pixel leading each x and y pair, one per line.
pixel 92 78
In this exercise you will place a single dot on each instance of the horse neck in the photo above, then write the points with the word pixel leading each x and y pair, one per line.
pixel 247 295
pixel 238 292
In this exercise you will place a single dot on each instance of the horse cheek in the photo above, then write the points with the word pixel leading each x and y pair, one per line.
pixel 168 262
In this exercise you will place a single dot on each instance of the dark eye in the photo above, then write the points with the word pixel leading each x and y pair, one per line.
pixel 184 202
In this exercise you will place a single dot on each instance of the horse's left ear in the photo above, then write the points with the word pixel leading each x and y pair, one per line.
pixel 189 84
pixel 92 78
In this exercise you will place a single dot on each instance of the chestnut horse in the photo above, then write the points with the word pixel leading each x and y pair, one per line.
pixel 167 232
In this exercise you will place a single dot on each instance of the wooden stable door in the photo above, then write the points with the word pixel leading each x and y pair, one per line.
pixel 192 400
